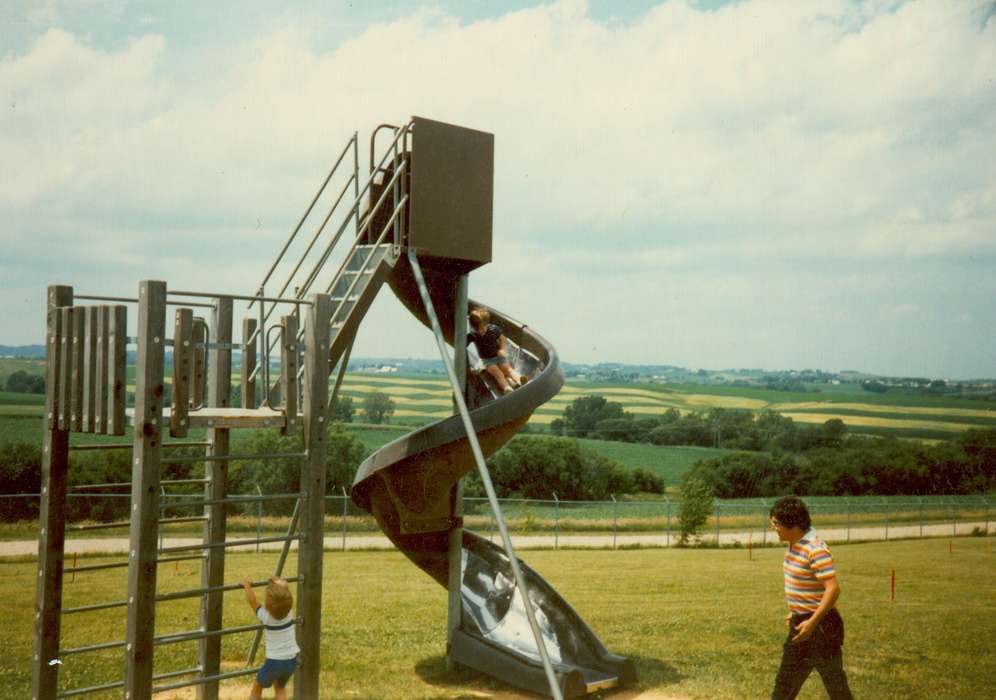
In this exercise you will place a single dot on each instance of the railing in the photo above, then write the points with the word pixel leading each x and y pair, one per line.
pixel 395 187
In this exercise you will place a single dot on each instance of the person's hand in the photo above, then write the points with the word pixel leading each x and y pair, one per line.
pixel 247 584
pixel 788 618
pixel 805 630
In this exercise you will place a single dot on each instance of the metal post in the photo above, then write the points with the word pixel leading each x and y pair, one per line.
pixel 345 511
pixel 954 525
pixel 668 535
pixel 556 520
pixel 717 524
pixel 52 524
pixel 139 626
pixel 309 589
pixel 615 518
pixel 485 476
pixel 885 507
pixel 847 505
pixel 920 513
pixel 259 516
pixel 455 552
pixel 216 471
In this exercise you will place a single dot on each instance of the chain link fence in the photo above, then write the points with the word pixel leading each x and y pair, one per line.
pixel 554 522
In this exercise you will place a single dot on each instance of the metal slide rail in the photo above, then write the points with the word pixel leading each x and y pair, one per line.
pixel 482 469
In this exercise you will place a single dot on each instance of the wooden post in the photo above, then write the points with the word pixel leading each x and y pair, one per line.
pixel 213 570
pixel 455 579
pixel 117 341
pixel 183 352
pixel 249 363
pixel 76 371
pixel 200 361
pixel 90 370
pixel 309 587
pixel 100 385
pixel 52 527
pixel 288 377
pixel 140 623
pixel 65 376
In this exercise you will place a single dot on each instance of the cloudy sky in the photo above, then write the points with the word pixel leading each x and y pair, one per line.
pixel 708 184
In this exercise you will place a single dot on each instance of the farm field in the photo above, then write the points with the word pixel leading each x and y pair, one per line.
pixel 421 398
pixel 699 624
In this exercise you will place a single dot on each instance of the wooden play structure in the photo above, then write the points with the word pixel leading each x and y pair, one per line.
pixel 419 220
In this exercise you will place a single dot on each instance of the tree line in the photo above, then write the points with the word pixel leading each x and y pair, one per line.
pixel 777 456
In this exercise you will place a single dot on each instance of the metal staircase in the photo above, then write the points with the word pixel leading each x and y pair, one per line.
pixel 362 259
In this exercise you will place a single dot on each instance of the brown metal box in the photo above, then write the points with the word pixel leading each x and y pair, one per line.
pixel 452 193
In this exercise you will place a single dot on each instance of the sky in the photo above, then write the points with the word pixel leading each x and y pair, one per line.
pixel 762 184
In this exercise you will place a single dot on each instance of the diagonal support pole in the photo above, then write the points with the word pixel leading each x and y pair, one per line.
pixel 482 468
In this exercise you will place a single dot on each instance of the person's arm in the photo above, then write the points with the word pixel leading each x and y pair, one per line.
pixel 830 595
pixel 250 595
pixel 501 345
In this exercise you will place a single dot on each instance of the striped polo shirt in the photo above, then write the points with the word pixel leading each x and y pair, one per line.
pixel 807 565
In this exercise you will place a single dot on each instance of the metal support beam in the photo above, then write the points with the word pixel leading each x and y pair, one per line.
pixel 482 468
pixel 139 626
pixel 52 524
pixel 213 570
pixel 455 608
pixel 309 589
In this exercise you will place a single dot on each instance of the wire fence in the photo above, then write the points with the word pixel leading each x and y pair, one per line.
pixel 553 521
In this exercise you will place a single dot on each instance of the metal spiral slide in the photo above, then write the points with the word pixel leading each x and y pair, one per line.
pixel 407 486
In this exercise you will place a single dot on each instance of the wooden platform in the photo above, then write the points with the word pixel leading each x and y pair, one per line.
pixel 226 418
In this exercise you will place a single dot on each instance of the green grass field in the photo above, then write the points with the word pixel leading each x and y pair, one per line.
pixel 698 623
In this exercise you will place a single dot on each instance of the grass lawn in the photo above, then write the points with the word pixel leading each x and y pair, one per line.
pixel 698 623
pixel 668 462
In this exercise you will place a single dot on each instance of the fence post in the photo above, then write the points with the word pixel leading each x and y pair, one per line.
pixel 668 533
pixel 847 505
pixel 885 507
pixel 717 524
pixel 345 509
pixel 765 522
pixel 986 502
pixel 259 516
pixel 919 500
pixel 954 525
pixel 556 520
pixel 615 515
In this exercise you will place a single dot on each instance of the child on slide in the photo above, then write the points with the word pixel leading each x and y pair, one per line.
pixel 490 342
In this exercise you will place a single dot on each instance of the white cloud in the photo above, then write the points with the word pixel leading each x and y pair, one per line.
pixel 760 134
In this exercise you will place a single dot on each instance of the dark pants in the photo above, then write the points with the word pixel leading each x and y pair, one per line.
pixel 821 651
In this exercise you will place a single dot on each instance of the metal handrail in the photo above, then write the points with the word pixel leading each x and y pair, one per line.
pixel 307 212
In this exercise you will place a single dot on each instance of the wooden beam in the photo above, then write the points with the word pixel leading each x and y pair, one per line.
pixel 249 363
pixel 310 554
pixel 213 569
pixel 183 351
pixel 51 519
pixel 289 362
pixel 90 370
pixel 65 392
pixel 103 372
pixel 117 379
pixel 76 370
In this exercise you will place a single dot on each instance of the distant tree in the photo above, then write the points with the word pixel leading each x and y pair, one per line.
pixel 557 426
pixel 378 407
pixel 584 413
pixel 343 410
pixel 23 383
pixel 696 506
pixel 20 472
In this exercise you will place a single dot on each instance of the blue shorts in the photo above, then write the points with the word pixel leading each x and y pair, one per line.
pixel 276 672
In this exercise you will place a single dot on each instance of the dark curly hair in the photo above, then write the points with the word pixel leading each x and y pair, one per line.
pixel 790 511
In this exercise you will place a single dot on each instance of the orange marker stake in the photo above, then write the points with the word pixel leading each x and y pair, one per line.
pixel 750 555
pixel 950 545
pixel 73 579
pixel 892 584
